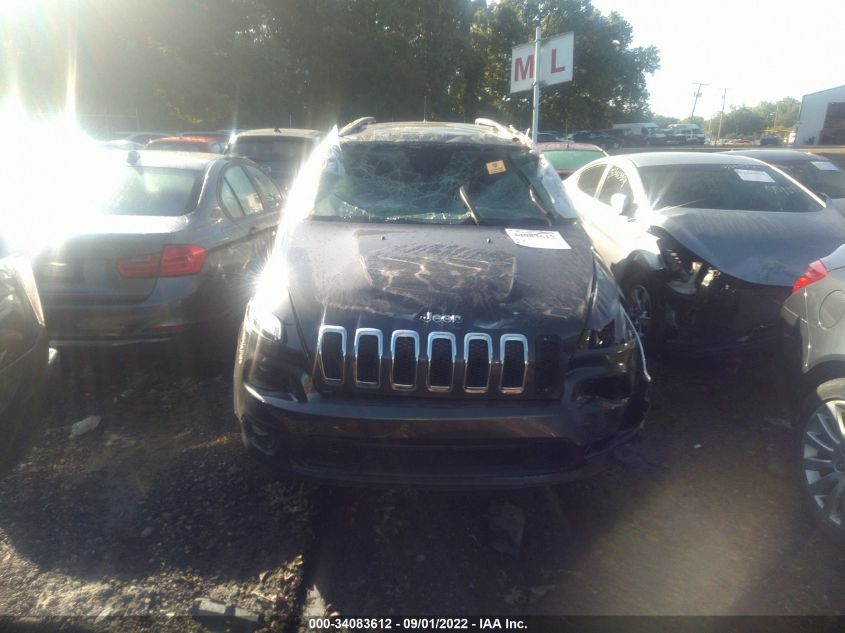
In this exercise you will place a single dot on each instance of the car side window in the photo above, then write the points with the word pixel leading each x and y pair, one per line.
pixel 242 187
pixel 616 182
pixel 269 192
pixel 589 179
pixel 230 201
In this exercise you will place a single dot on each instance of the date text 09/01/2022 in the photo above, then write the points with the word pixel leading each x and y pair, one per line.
pixel 415 624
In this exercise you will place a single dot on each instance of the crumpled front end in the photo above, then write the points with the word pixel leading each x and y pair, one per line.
pixel 414 421
pixel 706 311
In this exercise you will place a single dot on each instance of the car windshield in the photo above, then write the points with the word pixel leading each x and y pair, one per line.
pixel 440 184
pixel 571 158
pixel 152 191
pixel 734 187
pixel 820 176
pixel 273 150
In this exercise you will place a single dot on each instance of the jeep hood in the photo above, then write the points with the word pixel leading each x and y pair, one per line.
pixel 771 248
pixel 361 275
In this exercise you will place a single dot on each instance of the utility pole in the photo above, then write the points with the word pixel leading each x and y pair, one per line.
pixel 697 95
pixel 535 116
pixel 721 116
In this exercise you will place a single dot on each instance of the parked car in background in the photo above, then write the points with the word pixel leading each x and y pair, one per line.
pixel 547 137
pixel 120 145
pixel 602 139
pixel 770 139
pixel 641 134
pixel 141 138
pixel 24 354
pixel 567 156
pixel 814 315
pixel 436 316
pixel 685 134
pixel 815 172
pixel 736 142
pixel 166 252
pixel 706 247
pixel 278 151
pixel 208 143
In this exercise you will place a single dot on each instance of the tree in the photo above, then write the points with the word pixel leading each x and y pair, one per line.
pixel 200 64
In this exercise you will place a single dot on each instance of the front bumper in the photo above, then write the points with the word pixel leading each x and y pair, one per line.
pixel 727 316
pixel 366 439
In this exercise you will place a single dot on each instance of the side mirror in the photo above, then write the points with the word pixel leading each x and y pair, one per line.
pixel 622 204
pixel 828 201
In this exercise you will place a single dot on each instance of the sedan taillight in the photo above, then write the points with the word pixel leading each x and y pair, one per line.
pixel 814 273
pixel 141 266
pixel 176 260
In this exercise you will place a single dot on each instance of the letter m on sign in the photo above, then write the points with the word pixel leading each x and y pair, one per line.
pixel 522 67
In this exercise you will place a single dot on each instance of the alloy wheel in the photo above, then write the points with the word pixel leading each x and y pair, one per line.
pixel 823 453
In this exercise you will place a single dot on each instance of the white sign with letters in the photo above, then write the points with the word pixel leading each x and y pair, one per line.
pixel 556 60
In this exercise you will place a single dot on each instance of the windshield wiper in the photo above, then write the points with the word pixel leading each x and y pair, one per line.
pixel 536 200
pixel 462 192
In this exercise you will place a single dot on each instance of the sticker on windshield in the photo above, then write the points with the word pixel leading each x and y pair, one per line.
pixel 496 167
pixel 754 175
pixel 824 165
pixel 538 239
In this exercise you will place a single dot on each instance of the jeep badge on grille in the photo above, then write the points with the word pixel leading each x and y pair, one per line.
pixel 431 317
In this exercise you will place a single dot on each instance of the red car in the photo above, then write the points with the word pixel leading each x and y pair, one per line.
pixel 567 157
pixel 209 143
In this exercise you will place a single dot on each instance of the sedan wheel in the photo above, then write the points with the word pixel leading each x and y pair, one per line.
pixel 823 461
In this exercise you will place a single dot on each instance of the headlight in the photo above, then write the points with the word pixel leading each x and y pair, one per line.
pixel 606 325
pixel 23 271
pixel 262 321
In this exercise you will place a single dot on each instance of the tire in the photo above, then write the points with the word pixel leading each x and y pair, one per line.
pixel 821 456
pixel 645 306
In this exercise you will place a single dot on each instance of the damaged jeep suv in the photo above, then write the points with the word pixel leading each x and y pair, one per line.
pixel 435 315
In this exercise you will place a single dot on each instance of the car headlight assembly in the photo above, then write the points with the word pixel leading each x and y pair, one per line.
pixel 261 320
pixel 22 269
pixel 606 326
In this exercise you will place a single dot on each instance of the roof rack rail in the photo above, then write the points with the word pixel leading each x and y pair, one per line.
pixel 505 131
pixel 356 126
pixel 494 124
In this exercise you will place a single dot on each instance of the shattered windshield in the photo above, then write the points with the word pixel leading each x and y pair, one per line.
pixel 436 183
pixel 729 187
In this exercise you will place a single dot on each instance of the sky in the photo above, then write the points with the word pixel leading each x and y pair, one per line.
pixel 760 50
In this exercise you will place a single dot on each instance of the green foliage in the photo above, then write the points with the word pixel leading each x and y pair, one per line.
pixel 744 121
pixel 206 64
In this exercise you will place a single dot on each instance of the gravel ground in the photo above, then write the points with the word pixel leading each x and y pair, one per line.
pixel 153 509
pixel 158 507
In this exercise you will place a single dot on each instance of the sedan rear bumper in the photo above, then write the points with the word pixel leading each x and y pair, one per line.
pixel 178 307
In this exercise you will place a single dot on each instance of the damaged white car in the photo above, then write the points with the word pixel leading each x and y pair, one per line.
pixel 706 247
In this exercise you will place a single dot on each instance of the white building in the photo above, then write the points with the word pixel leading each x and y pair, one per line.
pixel 822 118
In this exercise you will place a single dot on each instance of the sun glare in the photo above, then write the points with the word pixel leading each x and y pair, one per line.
pixel 47 179
pixel 15 8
